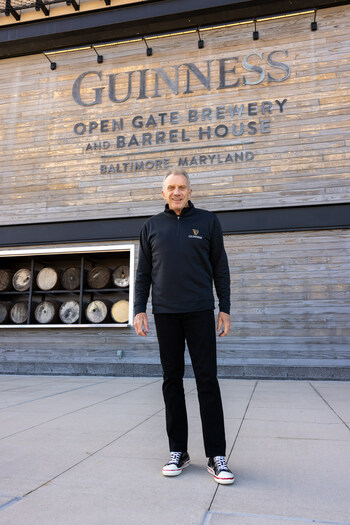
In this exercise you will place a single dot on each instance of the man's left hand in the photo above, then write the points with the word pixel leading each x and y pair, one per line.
pixel 224 323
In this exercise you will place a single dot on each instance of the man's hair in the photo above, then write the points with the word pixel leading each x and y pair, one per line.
pixel 178 171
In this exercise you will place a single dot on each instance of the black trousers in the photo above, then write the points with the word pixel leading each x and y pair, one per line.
pixel 198 329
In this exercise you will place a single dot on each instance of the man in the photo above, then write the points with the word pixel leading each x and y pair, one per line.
pixel 181 254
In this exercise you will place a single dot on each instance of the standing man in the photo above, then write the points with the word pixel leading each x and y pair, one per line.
pixel 181 255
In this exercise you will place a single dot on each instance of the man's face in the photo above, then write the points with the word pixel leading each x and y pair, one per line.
pixel 176 192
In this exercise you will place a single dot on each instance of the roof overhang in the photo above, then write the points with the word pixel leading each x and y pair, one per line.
pixel 146 18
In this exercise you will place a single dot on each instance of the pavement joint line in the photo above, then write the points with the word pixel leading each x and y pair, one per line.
pixel 234 442
pixel 207 517
pixel 11 502
pixel 330 406
pixel 77 410
pixel 272 517
pixel 53 395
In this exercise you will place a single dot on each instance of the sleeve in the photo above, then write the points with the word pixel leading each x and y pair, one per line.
pixel 143 273
pixel 219 262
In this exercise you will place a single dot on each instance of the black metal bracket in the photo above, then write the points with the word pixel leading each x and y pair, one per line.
pixel 255 32
pixel 39 5
pixel 200 41
pixel 149 51
pixel 74 3
pixel 99 57
pixel 53 65
pixel 9 10
pixel 314 23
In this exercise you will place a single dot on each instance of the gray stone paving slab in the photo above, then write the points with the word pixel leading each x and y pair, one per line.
pixel 37 466
pixel 118 495
pixel 286 400
pixel 282 386
pixel 292 477
pixel 29 394
pixel 218 518
pixel 295 430
pixel 90 450
pixel 322 414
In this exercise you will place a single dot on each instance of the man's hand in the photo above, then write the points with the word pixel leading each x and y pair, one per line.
pixel 224 323
pixel 141 324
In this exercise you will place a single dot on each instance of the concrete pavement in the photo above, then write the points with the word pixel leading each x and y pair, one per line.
pixel 89 450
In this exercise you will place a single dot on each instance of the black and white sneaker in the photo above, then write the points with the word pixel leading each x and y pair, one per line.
pixel 218 468
pixel 177 462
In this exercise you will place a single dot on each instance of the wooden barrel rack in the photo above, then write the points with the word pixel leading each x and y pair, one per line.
pixel 74 289
pixel 22 279
pixel 5 309
pixel 97 311
pixel 47 279
pixel 46 312
pixel 120 311
pixel 19 312
pixel 99 277
pixel 70 278
pixel 5 280
pixel 69 312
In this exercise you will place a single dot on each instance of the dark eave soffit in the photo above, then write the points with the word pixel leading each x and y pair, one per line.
pixel 146 18
pixel 263 220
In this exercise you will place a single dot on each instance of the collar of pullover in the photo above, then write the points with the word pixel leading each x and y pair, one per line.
pixel 185 211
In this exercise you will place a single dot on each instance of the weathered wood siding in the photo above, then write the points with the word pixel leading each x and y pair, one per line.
pixel 290 299
pixel 290 307
pixel 301 156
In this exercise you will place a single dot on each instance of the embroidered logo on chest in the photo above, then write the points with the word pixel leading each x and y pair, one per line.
pixel 195 236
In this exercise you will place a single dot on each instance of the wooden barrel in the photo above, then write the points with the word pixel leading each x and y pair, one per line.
pixel 46 312
pixel 5 308
pixel 21 280
pixel 47 279
pixel 99 277
pixel 97 311
pixel 120 276
pixel 5 280
pixel 70 278
pixel 19 312
pixel 120 311
pixel 69 312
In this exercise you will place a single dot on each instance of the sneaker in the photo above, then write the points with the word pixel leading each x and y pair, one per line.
pixel 222 474
pixel 177 462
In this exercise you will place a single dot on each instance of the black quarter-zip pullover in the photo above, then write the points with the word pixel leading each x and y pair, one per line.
pixel 180 257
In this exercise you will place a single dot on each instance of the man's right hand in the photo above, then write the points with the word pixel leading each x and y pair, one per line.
pixel 141 324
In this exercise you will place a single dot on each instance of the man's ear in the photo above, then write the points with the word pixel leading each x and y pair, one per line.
pixel 163 194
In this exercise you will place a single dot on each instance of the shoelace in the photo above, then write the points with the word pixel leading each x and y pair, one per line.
pixel 220 463
pixel 174 457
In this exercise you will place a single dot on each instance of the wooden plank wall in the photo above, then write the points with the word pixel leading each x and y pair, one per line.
pixel 290 307
pixel 47 173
